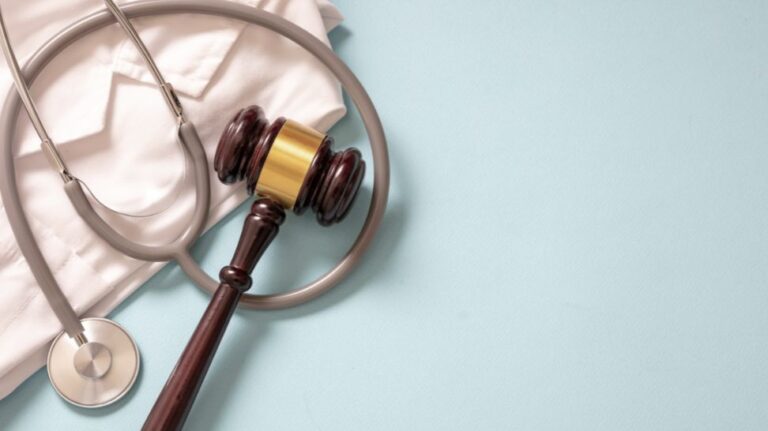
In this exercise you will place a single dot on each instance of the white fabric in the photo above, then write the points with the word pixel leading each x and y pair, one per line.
pixel 106 115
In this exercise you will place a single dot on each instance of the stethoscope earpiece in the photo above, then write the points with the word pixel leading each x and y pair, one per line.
pixel 96 368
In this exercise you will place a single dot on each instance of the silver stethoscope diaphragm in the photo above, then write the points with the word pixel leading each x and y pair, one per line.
pixel 96 369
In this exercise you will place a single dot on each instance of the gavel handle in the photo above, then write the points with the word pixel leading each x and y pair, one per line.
pixel 176 399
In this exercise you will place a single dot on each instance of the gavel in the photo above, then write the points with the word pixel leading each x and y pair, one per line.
pixel 291 167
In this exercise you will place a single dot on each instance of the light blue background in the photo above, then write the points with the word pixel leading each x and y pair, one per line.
pixel 576 240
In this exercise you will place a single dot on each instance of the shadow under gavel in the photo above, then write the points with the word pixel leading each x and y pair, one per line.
pixel 292 167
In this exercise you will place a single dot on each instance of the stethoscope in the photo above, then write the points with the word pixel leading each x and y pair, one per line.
pixel 97 362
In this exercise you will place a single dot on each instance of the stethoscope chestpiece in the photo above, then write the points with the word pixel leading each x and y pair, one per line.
pixel 96 369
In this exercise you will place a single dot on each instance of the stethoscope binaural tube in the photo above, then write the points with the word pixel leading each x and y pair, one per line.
pixel 190 142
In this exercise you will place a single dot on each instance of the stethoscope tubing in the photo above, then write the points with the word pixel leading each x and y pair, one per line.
pixel 178 250
pixel 187 135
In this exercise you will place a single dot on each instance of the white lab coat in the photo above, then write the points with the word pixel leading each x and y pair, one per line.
pixel 106 115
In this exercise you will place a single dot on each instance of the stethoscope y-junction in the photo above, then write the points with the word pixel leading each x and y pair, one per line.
pixel 291 167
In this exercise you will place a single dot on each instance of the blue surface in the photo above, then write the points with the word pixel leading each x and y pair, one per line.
pixel 577 237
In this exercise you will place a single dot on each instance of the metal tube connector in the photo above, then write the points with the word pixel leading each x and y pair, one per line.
pixel 171 99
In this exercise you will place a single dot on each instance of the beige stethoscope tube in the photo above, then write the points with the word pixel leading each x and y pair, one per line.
pixel 178 250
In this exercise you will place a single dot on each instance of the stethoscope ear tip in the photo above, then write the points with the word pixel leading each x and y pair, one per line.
pixel 96 369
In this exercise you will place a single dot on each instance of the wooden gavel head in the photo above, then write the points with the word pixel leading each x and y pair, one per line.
pixel 289 163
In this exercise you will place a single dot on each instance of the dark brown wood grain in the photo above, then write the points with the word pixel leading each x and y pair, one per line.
pixel 337 187
pixel 331 183
pixel 176 399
